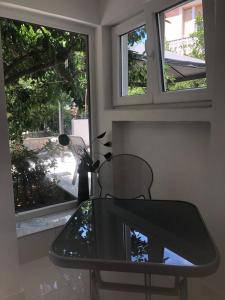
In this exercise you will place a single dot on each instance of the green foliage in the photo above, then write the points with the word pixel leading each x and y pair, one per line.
pixel 29 177
pixel 137 71
pixel 32 188
pixel 198 46
pixel 195 49
pixel 132 91
pixel 42 66
pixel 136 35
pixel 137 63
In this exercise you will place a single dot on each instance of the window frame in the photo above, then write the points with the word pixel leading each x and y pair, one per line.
pixel 23 14
pixel 117 31
pixel 155 94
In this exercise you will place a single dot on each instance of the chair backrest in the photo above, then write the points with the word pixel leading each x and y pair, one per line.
pixel 125 176
pixel 78 144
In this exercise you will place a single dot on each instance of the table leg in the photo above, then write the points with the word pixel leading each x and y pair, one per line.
pixel 147 279
pixel 183 292
pixel 94 295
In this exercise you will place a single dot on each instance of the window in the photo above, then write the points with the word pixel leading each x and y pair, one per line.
pixel 47 93
pixel 162 56
pixel 182 51
pixel 133 62
pixel 130 63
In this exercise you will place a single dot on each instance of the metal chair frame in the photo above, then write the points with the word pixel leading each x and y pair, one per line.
pixel 118 156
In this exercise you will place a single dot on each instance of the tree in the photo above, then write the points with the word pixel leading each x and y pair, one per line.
pixel 195 49
pixel 137 63
pixel 42 66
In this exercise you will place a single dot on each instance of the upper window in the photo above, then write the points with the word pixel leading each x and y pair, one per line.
pixel 182 45
pixel 130 62
pixel 162 56
pixel 133 62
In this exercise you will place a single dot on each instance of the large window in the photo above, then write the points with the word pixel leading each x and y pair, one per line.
pixel 162 56
pixel 47 93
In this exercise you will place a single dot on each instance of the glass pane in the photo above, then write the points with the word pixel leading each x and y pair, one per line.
pixel 46 86
pixel 182 47
pixel 134 62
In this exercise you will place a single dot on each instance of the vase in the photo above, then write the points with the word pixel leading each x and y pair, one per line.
pixel 83 188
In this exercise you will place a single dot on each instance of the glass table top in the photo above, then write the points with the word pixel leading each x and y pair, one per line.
pixel 137 235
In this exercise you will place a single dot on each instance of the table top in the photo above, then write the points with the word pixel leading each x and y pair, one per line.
pixel 155 236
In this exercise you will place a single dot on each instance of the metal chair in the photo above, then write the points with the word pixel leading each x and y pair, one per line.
pixel 125 176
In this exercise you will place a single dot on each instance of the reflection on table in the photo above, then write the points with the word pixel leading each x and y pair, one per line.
pixel 160 237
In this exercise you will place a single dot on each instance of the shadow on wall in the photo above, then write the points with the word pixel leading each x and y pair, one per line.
pixel 178 153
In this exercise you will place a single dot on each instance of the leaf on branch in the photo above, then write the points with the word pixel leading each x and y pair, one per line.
pixel 108 144
pixel 100 136
pixel 95 165
pixel 108 156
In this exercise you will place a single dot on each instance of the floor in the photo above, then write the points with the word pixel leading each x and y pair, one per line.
pixel 44 281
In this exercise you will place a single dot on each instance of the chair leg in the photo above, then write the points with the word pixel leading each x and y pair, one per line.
pixel 94 295
pixel 147 279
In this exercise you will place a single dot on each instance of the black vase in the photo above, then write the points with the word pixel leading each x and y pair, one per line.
pixel 83 188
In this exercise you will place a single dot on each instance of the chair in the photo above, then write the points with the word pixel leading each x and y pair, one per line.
pixel 125 176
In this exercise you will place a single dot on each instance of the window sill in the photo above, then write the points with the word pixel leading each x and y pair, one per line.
pixel 158 113
pixel 42 223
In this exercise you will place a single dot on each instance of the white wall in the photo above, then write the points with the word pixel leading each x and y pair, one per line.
pixel 177 151
pixel 81 10
pixel 113 11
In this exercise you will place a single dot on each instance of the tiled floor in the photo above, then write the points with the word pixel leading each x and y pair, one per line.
pixel 42 280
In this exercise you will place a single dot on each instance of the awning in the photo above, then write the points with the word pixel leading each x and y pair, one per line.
pixel 184 67
pixel 181 67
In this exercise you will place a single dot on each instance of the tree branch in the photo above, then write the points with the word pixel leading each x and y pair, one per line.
pixel 36 68
pixel 20 60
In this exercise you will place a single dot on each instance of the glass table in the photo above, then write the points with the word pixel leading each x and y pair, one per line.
pixel 141 236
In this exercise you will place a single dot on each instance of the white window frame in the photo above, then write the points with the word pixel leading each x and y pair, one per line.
pixel 117 31
pixel 16 12
pixel 155 95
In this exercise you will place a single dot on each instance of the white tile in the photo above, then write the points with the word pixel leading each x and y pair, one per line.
pixel 77 282
pixel 44 281
pixel 50 296
pixel 70 294
pixel 40 278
